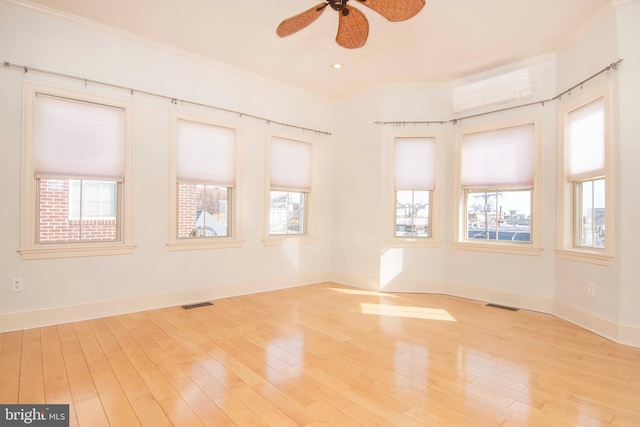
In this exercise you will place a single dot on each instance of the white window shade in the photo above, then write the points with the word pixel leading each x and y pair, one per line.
pixel 77 139
pixel 290 165
pixel 498 158
pixel 205 154
pixel 587 141
pixel 414 164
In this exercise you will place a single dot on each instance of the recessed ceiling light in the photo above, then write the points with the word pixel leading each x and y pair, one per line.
pixel 337 65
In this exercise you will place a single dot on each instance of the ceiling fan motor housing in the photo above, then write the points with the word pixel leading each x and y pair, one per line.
pixel 339 5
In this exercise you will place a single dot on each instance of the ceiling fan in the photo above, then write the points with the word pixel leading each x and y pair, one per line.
pixel 353 27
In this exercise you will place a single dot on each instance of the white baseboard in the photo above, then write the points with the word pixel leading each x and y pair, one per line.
pixel 629 335
pixel 374 284
pixel 41 317
pixel 357 280
pixel 499 296
pixel 413 287
pixel 626 334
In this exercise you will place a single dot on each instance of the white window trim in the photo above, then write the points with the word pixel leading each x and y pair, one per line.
pixel 311 231
pixel 29 249
pixel 565 243
pixel 234 240
pixel 535 247
pixel 435 238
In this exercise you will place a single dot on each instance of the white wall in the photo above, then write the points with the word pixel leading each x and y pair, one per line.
pixel 628 17
pixel 357 182
pixel 152 275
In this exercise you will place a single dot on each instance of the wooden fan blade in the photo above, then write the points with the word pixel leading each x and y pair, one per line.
pixel 353 29
pixel 300 21
pixel 395 10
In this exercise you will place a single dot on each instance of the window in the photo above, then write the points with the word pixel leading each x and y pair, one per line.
pixel 414 164
pixel 586 173
pixel 584 212
pixel 290 185
pixel 76 174
pixel 203 183
pixel 497 187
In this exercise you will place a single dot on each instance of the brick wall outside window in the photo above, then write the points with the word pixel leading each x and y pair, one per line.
pixel 55 224
pixel 187 208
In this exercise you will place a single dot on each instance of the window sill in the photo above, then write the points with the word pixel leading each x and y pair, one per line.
pixel 598 258
pixel 288 239
pixel 196 245
pixel 399 242
pixel 504 248
pixel 75 251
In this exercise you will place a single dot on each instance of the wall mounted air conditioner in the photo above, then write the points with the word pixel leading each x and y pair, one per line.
pixel 503 88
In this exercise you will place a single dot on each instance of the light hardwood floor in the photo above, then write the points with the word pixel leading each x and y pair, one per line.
pixel 325 354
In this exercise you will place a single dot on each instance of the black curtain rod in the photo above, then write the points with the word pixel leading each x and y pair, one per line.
pixel 612 66
pixel 173 100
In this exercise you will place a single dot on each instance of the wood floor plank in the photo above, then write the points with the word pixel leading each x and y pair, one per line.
pixel 78 374
pixel 89 412
pixel 179 412
pixel 50 340
pixel 31 374
pixel 10 360
pixel 325 355
pixel 56 383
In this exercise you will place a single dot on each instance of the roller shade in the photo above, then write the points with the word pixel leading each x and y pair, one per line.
pixel 205 154
pixel 586 141
pixel 414 164
pixel 77 139
pixel 503 157
pixel 290 165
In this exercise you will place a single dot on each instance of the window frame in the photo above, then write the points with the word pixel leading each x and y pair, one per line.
pixel 434 240
pixel 310 234
pixel 30 247
pixel 566 243
pixel 460 241
pixel 234 239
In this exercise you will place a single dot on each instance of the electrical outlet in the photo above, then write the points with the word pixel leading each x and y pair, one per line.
pixel 591 289
pixel 16 284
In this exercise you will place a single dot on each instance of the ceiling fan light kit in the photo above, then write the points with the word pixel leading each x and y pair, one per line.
pixel 353 26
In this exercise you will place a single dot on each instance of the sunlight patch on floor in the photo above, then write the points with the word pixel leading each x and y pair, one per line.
pixel 363 292
pixel 407 311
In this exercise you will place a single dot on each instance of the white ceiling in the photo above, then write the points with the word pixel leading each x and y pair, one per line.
pixel 447 40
